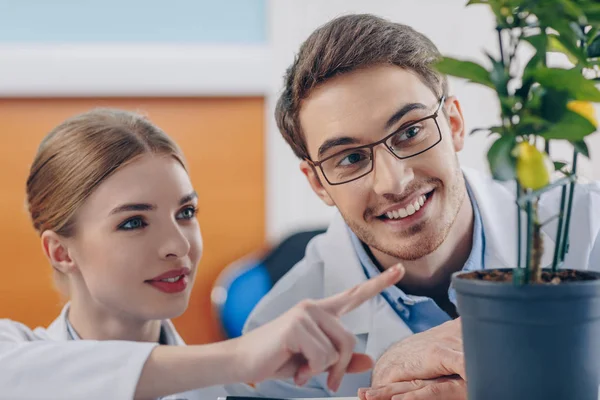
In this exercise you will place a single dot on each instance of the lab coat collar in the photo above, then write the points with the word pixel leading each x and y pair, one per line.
pixel 58 329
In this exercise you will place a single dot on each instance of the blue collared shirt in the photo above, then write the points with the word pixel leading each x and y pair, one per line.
pixel 418 312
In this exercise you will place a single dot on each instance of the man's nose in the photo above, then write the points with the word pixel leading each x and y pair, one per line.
pixel 390 174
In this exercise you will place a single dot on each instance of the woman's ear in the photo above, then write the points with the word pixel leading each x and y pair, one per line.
pixel 56 249
pixel 315 182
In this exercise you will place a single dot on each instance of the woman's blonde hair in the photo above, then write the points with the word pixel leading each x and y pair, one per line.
pixel 79 154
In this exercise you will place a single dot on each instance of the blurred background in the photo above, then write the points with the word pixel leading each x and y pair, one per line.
pixel 209 73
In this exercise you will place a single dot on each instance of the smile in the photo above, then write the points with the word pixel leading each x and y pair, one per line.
pixel 409 210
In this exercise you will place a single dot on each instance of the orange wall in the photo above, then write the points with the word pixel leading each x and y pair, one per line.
pixel 223 140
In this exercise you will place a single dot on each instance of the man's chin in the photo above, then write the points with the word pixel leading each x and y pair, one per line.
pixel 409 245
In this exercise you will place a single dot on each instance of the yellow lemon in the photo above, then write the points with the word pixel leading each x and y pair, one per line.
pixel 585 109
pixel 533 169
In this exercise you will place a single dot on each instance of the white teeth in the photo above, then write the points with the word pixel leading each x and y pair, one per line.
pixel 172 280
pixel 417 205
pixel 409 210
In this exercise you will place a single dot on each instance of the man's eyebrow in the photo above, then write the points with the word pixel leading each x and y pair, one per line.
pixel 398 115
pixel 334 142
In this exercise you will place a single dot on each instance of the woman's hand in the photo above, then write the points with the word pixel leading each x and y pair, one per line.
pixel 309 339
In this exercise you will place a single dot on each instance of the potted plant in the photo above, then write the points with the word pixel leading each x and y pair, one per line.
pixel 532 331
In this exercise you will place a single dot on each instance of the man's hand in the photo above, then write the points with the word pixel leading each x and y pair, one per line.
pixel 447 388
pixel 432 354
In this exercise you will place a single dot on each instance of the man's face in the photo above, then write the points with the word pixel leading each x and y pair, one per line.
pixel 362 107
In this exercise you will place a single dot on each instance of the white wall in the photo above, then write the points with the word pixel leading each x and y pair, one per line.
pixel 457 31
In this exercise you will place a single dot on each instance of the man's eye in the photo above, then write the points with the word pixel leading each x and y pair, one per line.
pixel 411 132
pixel 352 159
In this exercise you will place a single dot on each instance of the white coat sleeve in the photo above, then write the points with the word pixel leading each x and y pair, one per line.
pixel 34 367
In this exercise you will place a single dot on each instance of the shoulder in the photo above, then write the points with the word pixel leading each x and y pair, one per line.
pixel 303 281
pixel 12 331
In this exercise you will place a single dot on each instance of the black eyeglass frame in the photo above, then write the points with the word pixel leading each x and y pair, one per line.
pixel 371 146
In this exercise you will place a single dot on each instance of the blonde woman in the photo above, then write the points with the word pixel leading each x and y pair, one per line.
pixel 111 199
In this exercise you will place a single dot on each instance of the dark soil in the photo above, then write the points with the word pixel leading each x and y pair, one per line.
pixel 506 275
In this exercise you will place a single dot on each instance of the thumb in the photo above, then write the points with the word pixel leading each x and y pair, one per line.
pixel 359 363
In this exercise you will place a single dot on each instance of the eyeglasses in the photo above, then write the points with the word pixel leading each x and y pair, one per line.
pixel 406 142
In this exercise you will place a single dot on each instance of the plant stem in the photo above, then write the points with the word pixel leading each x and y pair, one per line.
pixel 519 228
pixel 565 243
pixel 559 230
pixel 530 222
pixel 535 274
pixel 501 44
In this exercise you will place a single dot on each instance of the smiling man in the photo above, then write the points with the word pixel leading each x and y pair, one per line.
pixel 378 136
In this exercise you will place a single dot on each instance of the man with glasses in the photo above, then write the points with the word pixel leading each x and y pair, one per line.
pixel 378 136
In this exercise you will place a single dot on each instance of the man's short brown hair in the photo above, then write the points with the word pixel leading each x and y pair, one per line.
pixel 346 44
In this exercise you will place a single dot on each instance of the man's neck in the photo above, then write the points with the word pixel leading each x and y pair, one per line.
pixel 431 275
pixel 96 323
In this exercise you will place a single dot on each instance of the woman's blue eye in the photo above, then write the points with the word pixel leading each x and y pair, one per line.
pixel 132 223
pixel 187 213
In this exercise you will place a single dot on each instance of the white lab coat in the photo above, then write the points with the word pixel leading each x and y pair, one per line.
pixel 44 364
pixel 331 266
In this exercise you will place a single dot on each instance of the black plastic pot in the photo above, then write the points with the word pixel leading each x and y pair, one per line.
pixel 530 342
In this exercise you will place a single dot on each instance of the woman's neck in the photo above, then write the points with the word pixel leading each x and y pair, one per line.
pixel 97 323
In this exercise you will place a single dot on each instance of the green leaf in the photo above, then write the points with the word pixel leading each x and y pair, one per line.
pixel 568 80
pixel 499 76
pixel 564 45
pixel 594 48
pixel 539 43
pixel 582 148
pixel 592 13
pixel 592 33
pixel 465 69
pixel 500 159
pixel 572 127
pixel 559 165
pixel 577 30
pixel 554 105
pixel 531 124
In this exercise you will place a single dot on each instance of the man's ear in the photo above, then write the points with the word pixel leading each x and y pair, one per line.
pixel 57 251
pixel 456 122
pixel 315 182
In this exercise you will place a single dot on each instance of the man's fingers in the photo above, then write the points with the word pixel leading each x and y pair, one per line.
pixel 387 391
pixel 444 388
pixel 451 362
pixel 452 388
pixel 347 301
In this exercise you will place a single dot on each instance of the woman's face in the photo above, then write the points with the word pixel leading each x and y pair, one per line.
pixel 137 241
